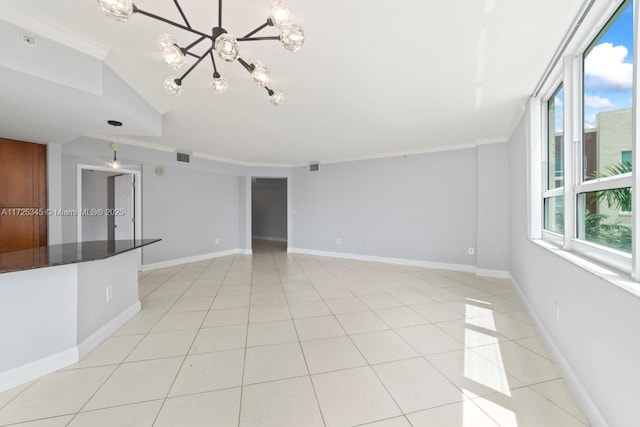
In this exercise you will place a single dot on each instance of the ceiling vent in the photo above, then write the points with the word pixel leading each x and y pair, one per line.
pixel 183 157
pixel 314 167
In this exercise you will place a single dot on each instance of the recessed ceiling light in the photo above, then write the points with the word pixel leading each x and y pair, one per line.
pixel 29 40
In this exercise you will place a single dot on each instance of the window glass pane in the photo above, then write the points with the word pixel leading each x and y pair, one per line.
pixel 555 139
pixel 607 97
pixel 604 217
pixel 554 214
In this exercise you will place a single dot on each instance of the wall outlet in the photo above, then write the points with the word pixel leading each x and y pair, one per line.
pixel 557 312
pixel 471 251
pixel 109 293
pixel 217 240
pixel 339 241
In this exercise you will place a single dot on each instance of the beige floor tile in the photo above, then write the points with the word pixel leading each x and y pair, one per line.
pixel 163 344
pixel 141 323
pixel 505 325
pixel 266 333
pixel 525 408
pixel 8 395
pixel 60 393
pixel 136 382
pixel 136 415
pixel 345 305
pixel 333 293
pixel 180 321
pixel 429 339
pixel 231 301
pixel 191 304
pixel 470 335
pixel 312 328
pixel 462 414
pixel 361 322
pixel 305 295
pixel 220 338
pixel 309 309
pixel 47 422
pixel 164 294
pixel 227 316
pixel 416 385
pixel 331 354
pixel 285 403
pixel 267 298
pixel 211 409
pixel 200 292
pixel 412 297
pixel 535 344
pixel 522 363
pixel 522 316
pixel 391 422
pixel 273 362
pixel 558 392
pixel 436 312
pixel 352 397
pixel 379 301
pixel 208 372
pixel 269 313
pixel 473 373
pixel 401 317
pixel 384 346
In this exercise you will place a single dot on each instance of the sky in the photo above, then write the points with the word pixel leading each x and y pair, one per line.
pixel 608 68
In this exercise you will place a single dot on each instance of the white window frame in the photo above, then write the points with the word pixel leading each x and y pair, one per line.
pixel 568 72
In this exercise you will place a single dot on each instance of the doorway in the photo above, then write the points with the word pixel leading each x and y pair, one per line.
pixel 109 205
pixel 269 214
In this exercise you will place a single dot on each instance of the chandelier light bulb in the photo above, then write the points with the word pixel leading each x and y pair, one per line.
pixel 173 86
pixel 292 37
pixel 218 84
pixel 279 14
pixel 261 74
pixel 165 40
pixel 276 97
pixel 227 47
pixel 173 56
pixel 118 9
pixel 115 164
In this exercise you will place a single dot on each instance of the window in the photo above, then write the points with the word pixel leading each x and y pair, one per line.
pixel 587 185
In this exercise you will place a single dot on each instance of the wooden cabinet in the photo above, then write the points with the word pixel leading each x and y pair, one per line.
pixel 23 195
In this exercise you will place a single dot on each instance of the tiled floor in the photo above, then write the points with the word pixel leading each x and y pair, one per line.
pixel 290 340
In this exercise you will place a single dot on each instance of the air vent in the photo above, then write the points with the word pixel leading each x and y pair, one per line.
pixel 183 157
pixel 314 167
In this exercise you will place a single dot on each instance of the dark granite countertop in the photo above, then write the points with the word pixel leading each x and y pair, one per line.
pixel 67 253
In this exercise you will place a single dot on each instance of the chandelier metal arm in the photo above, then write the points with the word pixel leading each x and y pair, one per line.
pixel 213 62
pixel 220 13
pixel 195 64
pixel 192 54
pixel 260 28
pixel 247 67
pixel 252 39
pixel 186 49
pixel 167 21
pixel 182 13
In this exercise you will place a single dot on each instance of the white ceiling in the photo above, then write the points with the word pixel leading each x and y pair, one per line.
pixel 374 77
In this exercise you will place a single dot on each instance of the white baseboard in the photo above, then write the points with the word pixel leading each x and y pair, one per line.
pixel 95 339
pixel 386 260
pixel 499 274
pixel 196 258
pixel 581 394
pixel 245 251
pixel 271 239
pixel 30 371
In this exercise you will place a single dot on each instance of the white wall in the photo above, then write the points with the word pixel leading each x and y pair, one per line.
pixel 597 338
pixel 419 207
pixel 493 207
pixel 269 209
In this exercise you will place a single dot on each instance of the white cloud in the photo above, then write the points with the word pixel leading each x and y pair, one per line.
pixel 594 101
pixel 606 65
pixel 590 121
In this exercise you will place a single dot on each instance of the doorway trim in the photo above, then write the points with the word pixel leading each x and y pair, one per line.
pixel 137 201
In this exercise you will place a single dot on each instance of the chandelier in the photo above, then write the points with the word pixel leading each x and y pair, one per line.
pixel 224 44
